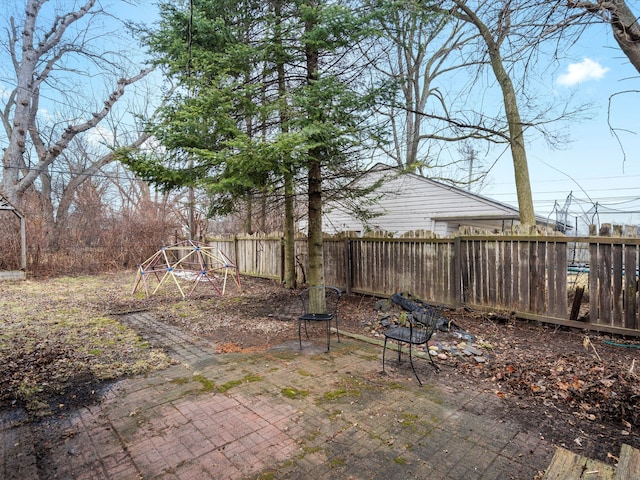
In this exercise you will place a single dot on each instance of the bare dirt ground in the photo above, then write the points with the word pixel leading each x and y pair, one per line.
pixel 581 390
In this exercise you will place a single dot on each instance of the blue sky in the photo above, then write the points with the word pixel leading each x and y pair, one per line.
pixel 594 164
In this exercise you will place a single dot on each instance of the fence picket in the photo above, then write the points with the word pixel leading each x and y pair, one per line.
pixel 527 275
pixel 631 286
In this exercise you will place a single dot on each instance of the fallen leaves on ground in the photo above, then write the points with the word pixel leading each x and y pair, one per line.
pixel 55 337
pixel 581 390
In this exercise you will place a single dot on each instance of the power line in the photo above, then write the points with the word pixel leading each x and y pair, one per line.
pixel 99 174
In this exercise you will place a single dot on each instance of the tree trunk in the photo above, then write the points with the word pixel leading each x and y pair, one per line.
pixel 624 24
pixel 290 279
pixel 289 233
pixel 248 220
pixel 13 159
pixel 315 245
pixel 626 30
pixel 316 258
pixel 512 112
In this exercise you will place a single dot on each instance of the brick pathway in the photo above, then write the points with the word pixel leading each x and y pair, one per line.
pixel 179 344
pixel 283 414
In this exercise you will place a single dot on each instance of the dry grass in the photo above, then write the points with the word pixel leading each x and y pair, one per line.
pixel 56 335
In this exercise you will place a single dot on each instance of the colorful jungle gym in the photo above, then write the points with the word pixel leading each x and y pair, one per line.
pixel 185 266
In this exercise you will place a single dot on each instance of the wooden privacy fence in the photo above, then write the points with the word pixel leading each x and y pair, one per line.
pixel 532 277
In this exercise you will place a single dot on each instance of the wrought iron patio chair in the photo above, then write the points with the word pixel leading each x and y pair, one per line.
pixel 319 304
pixel 420 327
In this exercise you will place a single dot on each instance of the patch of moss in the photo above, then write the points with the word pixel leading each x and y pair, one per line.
pixel 400 461
pixel 313 435
pixel 38 408
pixel 408 419
pixel 207 385
pixel 396 386
pixel 311 450
pixel 367 356
pixel 335 414
pixel 291 392
pixel 341 392
pixel 180 381
pixel 337 462
pixel 250 377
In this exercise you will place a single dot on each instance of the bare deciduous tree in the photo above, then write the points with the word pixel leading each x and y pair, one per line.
pixel 618 14
pixel 56 58
pixel 493 39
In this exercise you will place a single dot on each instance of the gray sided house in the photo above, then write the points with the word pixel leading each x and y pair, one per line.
pixel 409 202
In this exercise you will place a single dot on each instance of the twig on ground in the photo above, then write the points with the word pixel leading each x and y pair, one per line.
pixel 586 342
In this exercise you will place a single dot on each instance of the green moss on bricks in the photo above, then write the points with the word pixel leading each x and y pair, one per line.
pixel 335 414
pixel 207 385
pixel 290 392
pixel 339 393
pixel 180 381
pixel 408 419
pixel 310 450
pixel 270 475
pixel 250 377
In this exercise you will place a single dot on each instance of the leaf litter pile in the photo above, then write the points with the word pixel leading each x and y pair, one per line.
pixel 579 390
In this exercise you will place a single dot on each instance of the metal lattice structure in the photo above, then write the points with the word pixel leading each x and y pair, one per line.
pixel 185 266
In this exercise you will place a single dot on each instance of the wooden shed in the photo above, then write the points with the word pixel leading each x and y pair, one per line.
pixel 408 202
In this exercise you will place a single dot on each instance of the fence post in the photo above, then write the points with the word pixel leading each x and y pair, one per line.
pixel 282 260
pixel 235 254
pixel 457 272
pixel 347 265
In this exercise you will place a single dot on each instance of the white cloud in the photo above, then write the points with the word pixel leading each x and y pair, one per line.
pixel 581 72
pixel 100 135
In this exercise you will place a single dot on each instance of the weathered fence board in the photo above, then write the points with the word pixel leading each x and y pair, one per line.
pixel 526 275
pixel 631 287
pixel 523 276
pixel 616 292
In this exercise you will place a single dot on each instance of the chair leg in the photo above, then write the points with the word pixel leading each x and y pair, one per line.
pixel 436 367
pixel 300 333
pixel 328 335
pixel 337 331
pixel 412 367
pixel 384 349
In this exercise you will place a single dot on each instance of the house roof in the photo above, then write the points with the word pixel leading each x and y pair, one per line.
pixel 509 210
pixel 403 202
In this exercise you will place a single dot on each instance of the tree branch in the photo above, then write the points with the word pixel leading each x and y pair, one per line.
pixel 72 130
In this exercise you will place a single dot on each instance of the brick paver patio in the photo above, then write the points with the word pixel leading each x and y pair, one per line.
pixel 281 414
